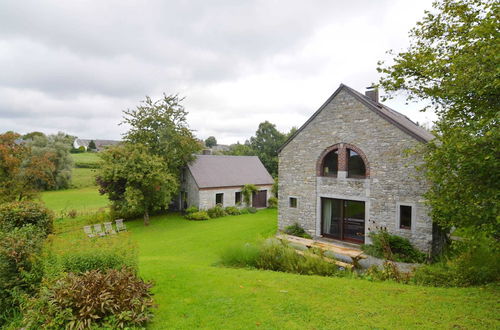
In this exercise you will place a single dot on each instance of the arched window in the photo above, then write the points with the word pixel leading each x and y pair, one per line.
pixel 355 165
pixel 343 160
pixel 331 163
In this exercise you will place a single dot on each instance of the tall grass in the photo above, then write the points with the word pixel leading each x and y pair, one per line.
pixel 276 255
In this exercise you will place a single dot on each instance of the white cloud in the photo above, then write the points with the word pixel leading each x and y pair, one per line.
pixel 74 66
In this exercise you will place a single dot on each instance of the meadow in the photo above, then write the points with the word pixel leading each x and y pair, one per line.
pixel 193 291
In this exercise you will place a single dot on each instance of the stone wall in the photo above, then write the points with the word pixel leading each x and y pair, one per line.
pixel 392 179
pixel 207 196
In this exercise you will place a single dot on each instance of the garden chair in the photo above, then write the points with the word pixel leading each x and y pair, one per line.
pixel 98 230
pixel 120 226
pixel 108 227
pixel 88 231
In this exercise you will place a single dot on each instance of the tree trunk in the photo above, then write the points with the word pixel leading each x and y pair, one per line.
pixel 146 217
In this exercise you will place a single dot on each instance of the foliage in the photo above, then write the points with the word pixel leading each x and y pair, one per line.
pixel 199 215
pixel 250 210
pixel 216 212
pixel 275 187
pixel 470 262
pixel 452 62
pixel 211 141
pixel 161 126
pixel 79 150
pixel 191 209
pixel 111 299
pixel 32 135
pixel 19 266
pixel 92 145
pixel 247 192
pixel 56 147
pixel 232 210
pixel 19 214
pixel 239 149
pixel 135 180
pixel 274 255
pixel 272 202
pixel 389 271
pixel 266 143
pixel 21 173
pixel 296 230
pixel 84 254
pixel 392 247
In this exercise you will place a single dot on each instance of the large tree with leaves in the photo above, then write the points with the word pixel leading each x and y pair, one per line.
pixel 162 127
pixel 135 180
pixel 453 62
pixel 265 143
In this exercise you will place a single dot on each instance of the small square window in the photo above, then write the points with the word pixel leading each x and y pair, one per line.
pixel 404 216
pixel 293 202
pixel 237 197
pixel 219 198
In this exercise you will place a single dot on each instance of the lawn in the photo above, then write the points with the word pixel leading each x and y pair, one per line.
pixel 193 292
pixel 83 199
pixel 86 157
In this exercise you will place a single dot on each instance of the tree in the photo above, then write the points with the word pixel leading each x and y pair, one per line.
pixel 136 180
pixel 161 126
pixel 21 172
pixel 211 142
pixel 452 61
pixel 239 149
pixel 56 148
pixel 31 135
pixel 266 142
pixel 92 145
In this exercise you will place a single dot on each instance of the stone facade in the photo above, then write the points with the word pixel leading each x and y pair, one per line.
pixel 392 179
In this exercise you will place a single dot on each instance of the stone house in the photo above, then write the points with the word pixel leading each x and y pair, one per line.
pixel 345 174
pixel 217 179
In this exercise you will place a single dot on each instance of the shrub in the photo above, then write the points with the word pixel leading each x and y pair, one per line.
pixel 216 212
pixel 275 255
pixel 393 247
pixel 247 192
pixel 468 263
pixel 389 271
pixel 200 215
pixel 232 210
pixel 251 210
pixel 191 209
pixel 272 202
pixel 72 213
pixel 296 230
pixel 19 214
pixel 244 210
pixel 110 299
pixel 20 270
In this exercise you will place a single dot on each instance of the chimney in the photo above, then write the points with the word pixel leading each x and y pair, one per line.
pixel 372 93
pixel 206 152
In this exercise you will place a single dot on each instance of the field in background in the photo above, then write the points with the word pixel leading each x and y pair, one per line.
pixel 192 291
pixel 83 199
pixel 84 169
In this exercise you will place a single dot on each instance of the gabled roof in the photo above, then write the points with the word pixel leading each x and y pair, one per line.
pixel 397 119
pixel 210 171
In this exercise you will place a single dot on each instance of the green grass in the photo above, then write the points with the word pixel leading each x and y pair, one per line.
pixel 193 292
pixel 83 177
pixel 83 199
pixel 86 157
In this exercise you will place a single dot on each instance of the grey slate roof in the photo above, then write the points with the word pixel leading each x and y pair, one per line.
pixel 210 171
pixel 397 119
pixel 98 143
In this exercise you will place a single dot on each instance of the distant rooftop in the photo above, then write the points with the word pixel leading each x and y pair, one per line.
pixel 210 171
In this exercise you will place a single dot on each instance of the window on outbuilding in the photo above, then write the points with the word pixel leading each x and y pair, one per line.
pixel 331 163
pixel 355 165
pixel 293 202
pixel 405 216
pixel 237 197
pixel 219 198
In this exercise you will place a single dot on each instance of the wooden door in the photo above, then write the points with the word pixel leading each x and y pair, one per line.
pixel 259 198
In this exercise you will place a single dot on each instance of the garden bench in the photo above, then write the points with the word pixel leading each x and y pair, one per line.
pixel 120 226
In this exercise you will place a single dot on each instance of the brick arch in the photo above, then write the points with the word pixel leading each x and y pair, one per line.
pixel 342 147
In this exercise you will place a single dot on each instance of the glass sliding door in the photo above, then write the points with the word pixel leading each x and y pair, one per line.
pixel 343 219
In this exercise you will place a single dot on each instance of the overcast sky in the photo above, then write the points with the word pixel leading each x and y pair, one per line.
pixel 73 66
